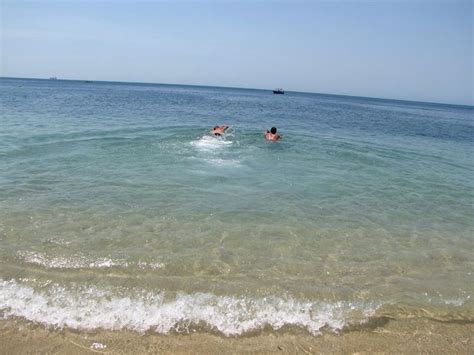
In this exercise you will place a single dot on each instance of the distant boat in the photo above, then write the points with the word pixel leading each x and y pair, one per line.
pixel 278 91
pixel 87 81
pixel 53 78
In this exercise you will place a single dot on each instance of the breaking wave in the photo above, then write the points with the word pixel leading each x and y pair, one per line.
pixel 88 308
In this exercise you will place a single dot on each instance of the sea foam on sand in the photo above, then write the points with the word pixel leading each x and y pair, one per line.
pixel 91 307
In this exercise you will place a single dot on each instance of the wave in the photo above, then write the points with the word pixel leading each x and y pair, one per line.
pixel 82 262
pixel 87 308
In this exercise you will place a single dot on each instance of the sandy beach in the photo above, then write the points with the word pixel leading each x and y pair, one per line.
pixel 406 336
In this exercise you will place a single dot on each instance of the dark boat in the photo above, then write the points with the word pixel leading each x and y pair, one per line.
pixel 278 91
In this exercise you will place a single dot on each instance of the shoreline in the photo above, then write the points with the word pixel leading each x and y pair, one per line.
pixel 401 336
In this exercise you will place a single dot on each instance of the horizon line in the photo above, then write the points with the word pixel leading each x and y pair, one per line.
pixel 239 88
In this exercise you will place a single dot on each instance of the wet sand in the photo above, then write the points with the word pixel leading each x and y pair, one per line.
pixel 402 336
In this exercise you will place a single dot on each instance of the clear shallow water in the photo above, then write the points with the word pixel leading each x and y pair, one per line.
pixel 117 210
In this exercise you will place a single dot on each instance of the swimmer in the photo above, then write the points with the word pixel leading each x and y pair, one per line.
pixel 272 135
pixel 219 130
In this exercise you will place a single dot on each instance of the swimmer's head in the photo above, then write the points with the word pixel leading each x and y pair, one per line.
pixel 273 130
pixel 216 127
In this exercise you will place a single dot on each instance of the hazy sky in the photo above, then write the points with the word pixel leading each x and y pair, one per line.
pixel 414 50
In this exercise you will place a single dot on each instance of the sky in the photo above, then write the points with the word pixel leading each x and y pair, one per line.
pixel 419 50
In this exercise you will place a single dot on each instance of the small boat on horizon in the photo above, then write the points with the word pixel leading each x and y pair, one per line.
pixel 53 78
pixel 278 91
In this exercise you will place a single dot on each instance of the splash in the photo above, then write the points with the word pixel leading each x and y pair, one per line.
pixel 209 143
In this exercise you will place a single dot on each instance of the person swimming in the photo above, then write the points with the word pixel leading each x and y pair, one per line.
pixel 271 135
pixel 219 130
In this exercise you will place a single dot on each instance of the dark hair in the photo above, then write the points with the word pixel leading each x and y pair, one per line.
pixel 216 127
pixel 273 130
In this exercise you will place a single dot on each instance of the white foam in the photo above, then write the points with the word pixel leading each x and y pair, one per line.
pixel 98 346
pixel 82 262
pixel 223 162
pixel 458 302
pixel 154 265
pixel 90 308
pixel 209 143
pixel 60 242
pixel 439 299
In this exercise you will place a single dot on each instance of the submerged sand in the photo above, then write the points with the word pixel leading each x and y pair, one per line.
pixel 395 336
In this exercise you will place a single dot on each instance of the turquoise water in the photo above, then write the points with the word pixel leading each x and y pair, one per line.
pixel 119 211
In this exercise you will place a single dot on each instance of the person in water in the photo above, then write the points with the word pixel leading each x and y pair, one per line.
pixel 272 135
pixel 219 130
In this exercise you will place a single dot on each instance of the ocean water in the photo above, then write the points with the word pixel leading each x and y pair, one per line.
pixel 119 211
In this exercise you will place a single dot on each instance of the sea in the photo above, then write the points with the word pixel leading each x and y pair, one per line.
pixel 119 211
